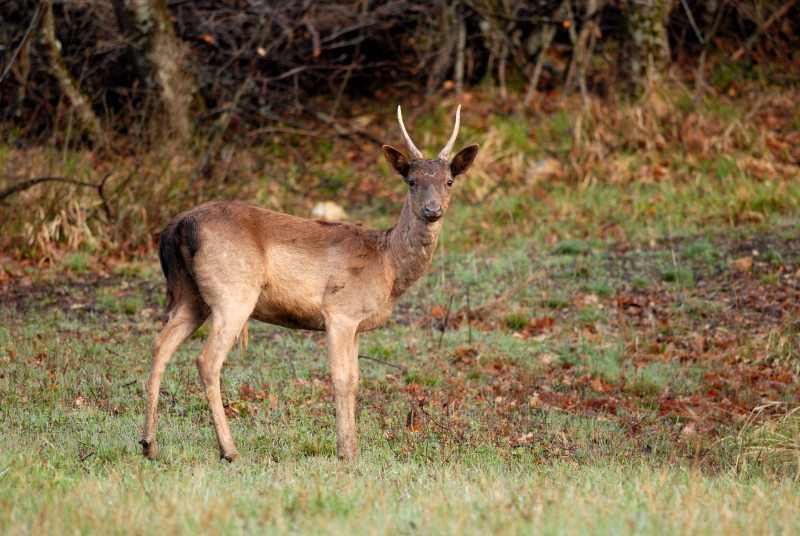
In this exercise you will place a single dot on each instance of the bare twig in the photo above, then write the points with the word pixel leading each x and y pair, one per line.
pixel 446 320
pixel 222 126
pixel 577 67
pixel 102 194
pixel 692 22
pixel 699 82
pixel 461 42
pixel 780 12
pixel 24 185
pixel 548 33
pixel 508 293
pixel 381 361
pixel 34 23
pixel 469 323
pixel 345 132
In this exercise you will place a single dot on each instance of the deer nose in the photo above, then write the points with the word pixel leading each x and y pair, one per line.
pixel 432 212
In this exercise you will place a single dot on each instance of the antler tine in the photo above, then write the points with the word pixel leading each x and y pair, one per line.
pixel 445 154
pixel 415 153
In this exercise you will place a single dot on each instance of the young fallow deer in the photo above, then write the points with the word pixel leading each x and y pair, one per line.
pixel 230 262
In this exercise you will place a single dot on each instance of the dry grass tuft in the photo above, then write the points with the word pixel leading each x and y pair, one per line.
pixel 770 435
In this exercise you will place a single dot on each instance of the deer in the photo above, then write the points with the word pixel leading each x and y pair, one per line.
pixel 226 262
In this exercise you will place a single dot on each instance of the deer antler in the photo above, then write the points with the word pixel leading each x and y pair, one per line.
pixel 415 153
pixel 445 154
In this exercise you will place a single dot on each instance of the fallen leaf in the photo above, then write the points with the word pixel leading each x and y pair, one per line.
pixel 542 323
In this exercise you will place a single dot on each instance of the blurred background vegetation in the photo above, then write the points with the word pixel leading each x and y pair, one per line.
pixel 116 114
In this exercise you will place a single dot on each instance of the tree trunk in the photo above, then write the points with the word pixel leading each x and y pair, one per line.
pixel 158 60
pixel 645 53
pixel 79 107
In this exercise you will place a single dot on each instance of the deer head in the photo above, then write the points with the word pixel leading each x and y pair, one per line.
pixel 429 180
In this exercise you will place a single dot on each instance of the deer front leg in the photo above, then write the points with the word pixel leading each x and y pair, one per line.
pixel 182 323
pixel 343 362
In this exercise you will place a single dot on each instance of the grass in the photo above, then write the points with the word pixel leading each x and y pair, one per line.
pixel 501 441
pixel 403 498
pixel 580 357
pixel 406 497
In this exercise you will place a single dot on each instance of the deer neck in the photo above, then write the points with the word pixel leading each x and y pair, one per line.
pixel 410 248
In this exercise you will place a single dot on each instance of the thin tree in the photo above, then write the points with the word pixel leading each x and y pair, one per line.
pixel 78 105
pixel 158 59
pixel 645 52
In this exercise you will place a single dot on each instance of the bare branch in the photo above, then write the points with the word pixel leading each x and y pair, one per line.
pixel 24 185
pixel 779 13
pixel 34 23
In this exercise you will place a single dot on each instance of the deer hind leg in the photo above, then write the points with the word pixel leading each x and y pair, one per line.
pixel 226 324
pixel 184 321
pixel 343 362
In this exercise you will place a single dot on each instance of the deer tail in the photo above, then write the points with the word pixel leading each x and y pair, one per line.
pixel 177 239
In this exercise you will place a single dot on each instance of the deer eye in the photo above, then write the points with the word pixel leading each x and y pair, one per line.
pixel 450 182
pixel 411 183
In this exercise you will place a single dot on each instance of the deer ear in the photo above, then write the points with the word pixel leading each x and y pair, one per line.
pixel 397 162
pixel 463 160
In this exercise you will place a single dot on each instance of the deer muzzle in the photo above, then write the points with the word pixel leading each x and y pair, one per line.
pixel 432 211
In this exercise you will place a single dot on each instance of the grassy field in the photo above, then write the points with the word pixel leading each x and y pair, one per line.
pixel 607 345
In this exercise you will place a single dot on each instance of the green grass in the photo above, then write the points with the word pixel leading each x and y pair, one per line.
pixel 320 495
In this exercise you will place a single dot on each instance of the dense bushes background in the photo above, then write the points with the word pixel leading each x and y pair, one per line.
pixel 272 60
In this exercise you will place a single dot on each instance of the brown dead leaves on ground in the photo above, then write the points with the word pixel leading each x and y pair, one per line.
pixel 693 362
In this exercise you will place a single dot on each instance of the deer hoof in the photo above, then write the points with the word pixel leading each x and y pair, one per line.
pixel 349 454
pixel 229 457
pixel 149 448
